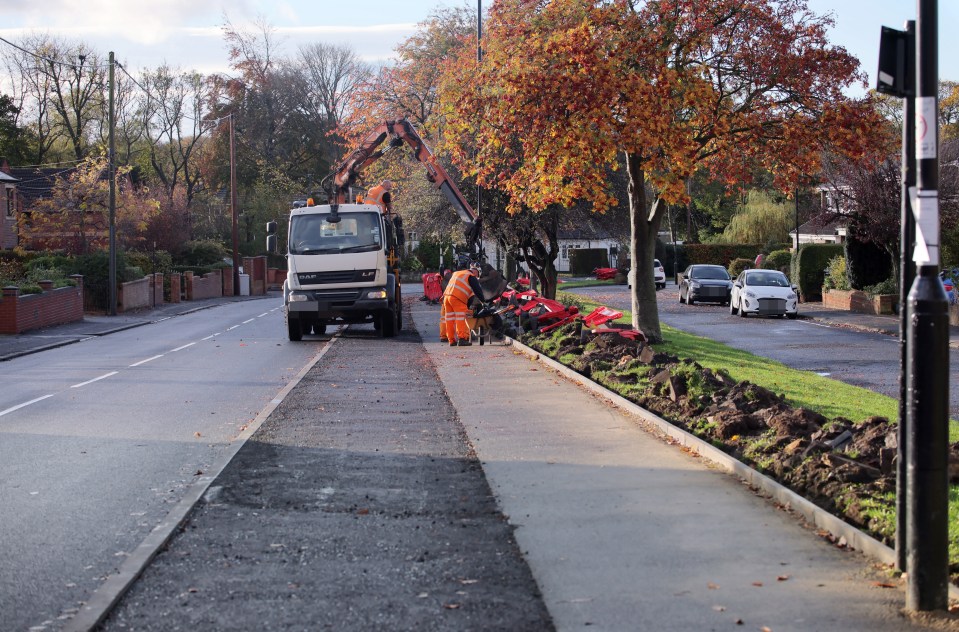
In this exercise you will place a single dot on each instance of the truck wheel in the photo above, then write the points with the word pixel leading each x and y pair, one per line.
pixel 388 323
pixel 319 328
pixel 399 309
pixel 294 329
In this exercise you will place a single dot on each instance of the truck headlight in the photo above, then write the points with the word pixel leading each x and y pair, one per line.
pixel 376 294
pixel 296 297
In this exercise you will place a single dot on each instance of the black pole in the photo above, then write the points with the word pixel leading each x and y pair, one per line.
pixel 927 494
pixel 112 268
pixel 479 189
pixel 907 274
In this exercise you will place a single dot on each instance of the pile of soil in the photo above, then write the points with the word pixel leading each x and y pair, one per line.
pixel 847 468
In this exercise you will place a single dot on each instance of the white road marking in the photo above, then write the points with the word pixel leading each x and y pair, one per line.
pixel 189 344
pixel 147 360
pixel 232 328
pixel 248 321
pixel 19 406
pixel 263 314
pixel 96 379
pixel 210 336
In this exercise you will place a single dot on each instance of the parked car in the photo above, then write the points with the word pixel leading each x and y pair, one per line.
pixel 764 292
pixel 705 283
pixel 659 276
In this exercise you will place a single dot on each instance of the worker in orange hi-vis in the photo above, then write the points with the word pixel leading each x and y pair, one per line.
pixel 463 285
pixel 380 195
pixel 444 283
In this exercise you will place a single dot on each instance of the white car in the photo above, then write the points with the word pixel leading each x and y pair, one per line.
pixel 659 276
pixel 765 293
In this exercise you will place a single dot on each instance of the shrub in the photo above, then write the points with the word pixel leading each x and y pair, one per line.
pixel 201 252
pixel 836 278
pixel 889 286
pixel 736 266
pixel 150 262
pixel 779 260
pixel 809 268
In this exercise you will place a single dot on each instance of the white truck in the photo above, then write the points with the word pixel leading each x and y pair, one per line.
pixel 339 269
pixel 342 258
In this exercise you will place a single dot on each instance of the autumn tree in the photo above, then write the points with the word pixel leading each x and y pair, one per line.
pixel 677 86
pixel 75 218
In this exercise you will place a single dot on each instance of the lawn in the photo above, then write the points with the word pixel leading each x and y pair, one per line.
pixel 828 397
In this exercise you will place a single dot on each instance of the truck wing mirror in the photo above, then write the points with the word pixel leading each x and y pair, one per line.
pixel 271 228
pixel 271 243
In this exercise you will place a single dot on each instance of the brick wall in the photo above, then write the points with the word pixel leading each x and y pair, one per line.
pixel 858 301
pixel 36 311
pixel 134 295
pixel 256 268
pixel 210 285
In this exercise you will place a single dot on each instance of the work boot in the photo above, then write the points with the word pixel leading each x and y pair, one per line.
pixel 444 339
pixel 464 343
pixel 452 342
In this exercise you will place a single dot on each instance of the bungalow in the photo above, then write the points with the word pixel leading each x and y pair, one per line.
pixel 8 223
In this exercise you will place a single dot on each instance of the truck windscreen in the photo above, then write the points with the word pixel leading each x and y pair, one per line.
pixel 313 234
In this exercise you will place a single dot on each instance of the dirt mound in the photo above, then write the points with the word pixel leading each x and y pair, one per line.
pixel 847 468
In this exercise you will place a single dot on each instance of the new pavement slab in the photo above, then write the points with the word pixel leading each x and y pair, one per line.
pixel 624 531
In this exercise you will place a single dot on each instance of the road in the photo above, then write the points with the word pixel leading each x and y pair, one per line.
pixel 865 359
pixel 98 440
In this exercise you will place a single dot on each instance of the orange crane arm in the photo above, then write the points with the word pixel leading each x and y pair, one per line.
pixel 401 131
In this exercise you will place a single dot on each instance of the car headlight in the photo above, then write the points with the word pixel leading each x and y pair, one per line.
pixel 694 285
pixel 750 294
pixel 296 297
pixel 376 294
pixel 790 297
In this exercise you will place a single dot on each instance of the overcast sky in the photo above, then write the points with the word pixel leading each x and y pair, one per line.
pixel 188 33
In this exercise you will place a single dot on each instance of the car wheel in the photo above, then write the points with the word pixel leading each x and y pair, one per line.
pixel 792 316
pixel 680 296
pixel 732 309
pixel 742 312
pixel 689 299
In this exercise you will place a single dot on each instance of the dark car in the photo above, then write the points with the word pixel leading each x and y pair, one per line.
pixel 705 283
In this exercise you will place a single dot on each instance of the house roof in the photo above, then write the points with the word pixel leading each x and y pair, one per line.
pixel 829 225
pixel 36 183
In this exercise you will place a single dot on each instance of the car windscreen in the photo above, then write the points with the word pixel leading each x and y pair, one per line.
pixel 767 279
pixel 313 234
pixel 709 273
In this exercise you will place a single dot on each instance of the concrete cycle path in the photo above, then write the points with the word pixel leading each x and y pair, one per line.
pixel 624 531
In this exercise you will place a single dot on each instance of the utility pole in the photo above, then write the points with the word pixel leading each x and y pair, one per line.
pixel 236 228
pixel 927 493
pixel 909 68
pixel 479 61
pixel 112 174
pixel 907 275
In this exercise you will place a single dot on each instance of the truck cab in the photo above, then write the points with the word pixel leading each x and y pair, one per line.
pixel 341 269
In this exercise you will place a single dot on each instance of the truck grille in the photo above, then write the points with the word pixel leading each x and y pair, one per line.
pixel 336 276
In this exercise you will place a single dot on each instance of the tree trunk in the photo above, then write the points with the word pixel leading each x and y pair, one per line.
pixel 643 231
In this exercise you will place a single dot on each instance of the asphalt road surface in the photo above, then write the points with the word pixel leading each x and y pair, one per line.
pixel 346 513
pixel 869 360
pixel 99 439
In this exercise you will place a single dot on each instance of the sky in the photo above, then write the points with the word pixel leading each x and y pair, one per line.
pixel 187 34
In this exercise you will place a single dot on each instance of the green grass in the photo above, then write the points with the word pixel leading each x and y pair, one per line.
pixel 804 389
pixel 828 397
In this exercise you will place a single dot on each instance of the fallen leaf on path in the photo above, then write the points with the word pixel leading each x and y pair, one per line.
pixel 883 585
pixel 451 606
pixel 757 584
pixel 712 586
pixel 782 578
pixel 362 512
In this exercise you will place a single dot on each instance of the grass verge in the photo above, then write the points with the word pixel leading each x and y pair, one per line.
pixel 826 396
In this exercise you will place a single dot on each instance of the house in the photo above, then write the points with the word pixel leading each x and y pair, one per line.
pixel 828 226
pixel 8 222
pixel 23 187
